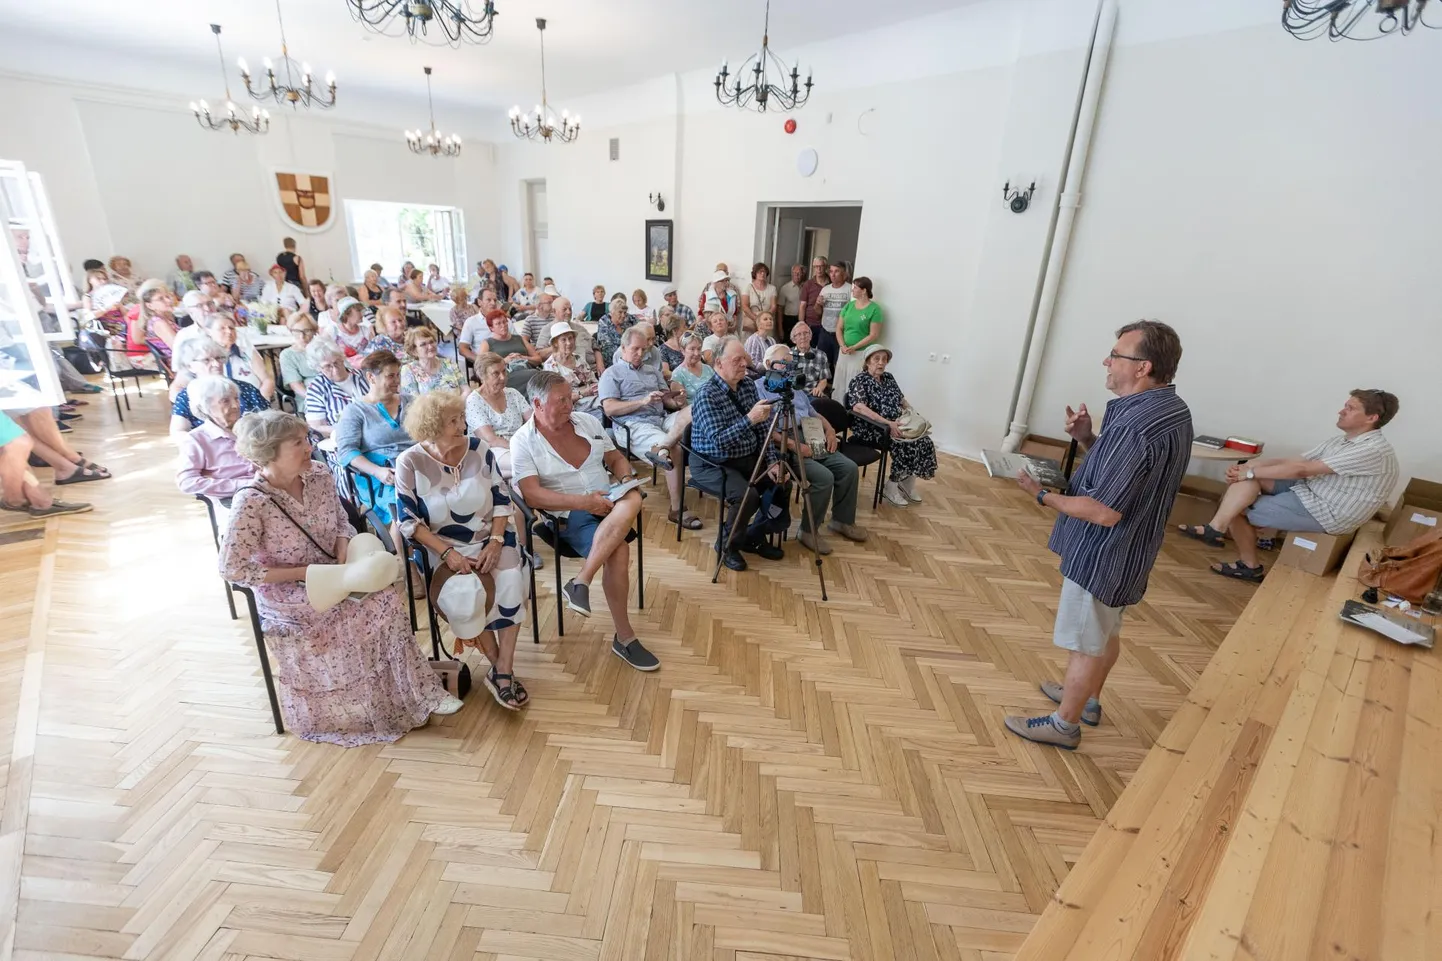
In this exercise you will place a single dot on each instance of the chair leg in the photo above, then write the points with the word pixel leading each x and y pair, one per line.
pixel 264 663
pixel 230 600
pixel 880 477
pixel 641 563
pixel 560 599
pixel 411 593
pixel 125 392
pixel 114 394
pixel 535 613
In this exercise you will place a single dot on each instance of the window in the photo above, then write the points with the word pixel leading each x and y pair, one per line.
pixel 390 234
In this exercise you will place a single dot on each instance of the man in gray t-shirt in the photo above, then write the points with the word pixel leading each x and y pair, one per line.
pixel 833 297
pixel 637 398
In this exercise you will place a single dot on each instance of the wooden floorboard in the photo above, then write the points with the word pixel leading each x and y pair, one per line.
pixel 802 779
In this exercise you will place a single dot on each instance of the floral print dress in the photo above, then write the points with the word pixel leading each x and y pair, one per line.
pixel 909 458
pixel 415 381
pixel 352 675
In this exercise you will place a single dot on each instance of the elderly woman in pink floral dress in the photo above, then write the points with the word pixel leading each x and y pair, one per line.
pixel 354 674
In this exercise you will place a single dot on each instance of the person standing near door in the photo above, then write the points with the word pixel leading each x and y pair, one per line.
pixel 833 297
pixel 790 296
pixel 292 264
pixel 811 298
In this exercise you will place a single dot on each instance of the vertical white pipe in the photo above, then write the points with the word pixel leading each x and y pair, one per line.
pixel 1068 203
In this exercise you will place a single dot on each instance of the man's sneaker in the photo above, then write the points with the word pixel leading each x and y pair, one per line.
pixel 1091 713
pixel 1042 731
pixel 733 561
pixel 634 654
pixel 893 495
pixel 849 531
pixel 763 548
pixel 578 597
pixel 811 542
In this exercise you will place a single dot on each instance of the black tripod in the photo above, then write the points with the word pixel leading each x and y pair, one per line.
pixel 784 420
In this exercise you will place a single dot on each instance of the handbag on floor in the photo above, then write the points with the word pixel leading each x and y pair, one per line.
pixel 1409 572
pixel 454 675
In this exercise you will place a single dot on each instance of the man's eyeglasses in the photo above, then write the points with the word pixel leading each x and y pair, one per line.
pixel 1116 356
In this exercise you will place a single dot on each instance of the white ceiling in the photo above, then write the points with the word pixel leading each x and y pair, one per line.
pixel 591 45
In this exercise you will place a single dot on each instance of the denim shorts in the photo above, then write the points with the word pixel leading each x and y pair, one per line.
pixel 1282 509
pixel 578 530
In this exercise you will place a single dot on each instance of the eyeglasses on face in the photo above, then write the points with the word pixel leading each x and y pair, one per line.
pixel 1116 356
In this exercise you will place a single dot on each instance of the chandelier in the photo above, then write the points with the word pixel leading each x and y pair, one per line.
pixel 457 21
pixel 258 121
pixel 432 143
pixel 296 94
pixel 542 125
pixel 1354 19
pixel 761 92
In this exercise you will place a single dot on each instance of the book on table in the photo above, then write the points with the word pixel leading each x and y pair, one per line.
pixel 1209 442
pixel 1043 470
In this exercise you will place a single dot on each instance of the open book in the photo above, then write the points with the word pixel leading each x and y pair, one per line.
pixel 1043 470
pixel 620 490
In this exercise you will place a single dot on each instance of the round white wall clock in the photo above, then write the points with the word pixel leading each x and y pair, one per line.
pixel 806 162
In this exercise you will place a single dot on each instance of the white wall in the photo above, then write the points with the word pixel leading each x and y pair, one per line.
pixel 130 173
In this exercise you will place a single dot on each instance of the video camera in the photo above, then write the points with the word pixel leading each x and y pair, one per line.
pixel 782 379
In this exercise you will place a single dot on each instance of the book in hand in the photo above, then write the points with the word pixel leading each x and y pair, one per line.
pixel 623 488
pixel 1209 442
pixel 813 433
pixel 1043 470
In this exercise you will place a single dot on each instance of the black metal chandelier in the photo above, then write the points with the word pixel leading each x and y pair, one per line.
pixel 432 143
pixel 455 21
pixel 298 90
pixel 259 120
pixel 541 125
pixel 761 93
pixel 1355 19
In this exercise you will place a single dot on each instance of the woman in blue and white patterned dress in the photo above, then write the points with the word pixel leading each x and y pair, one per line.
pixel 453 503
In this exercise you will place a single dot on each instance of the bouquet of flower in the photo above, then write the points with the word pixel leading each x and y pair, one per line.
pixel 258 315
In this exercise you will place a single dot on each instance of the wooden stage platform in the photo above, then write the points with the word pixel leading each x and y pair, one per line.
pixel 1290 810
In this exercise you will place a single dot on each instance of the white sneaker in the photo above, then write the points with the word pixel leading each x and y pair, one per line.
pixel 891 492
pixel 450 705
pixel 908 487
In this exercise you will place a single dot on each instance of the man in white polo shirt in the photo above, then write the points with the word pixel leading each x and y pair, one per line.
pixel 1334 487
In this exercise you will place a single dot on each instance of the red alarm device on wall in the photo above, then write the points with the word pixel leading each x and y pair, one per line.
pixel 790 125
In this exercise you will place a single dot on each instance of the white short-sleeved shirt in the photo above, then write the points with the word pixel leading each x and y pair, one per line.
pixel 287 295
pixel 533 456
pixel 475 330
pixel 1364 476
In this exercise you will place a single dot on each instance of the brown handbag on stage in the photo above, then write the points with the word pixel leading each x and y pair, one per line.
pixel 1409 572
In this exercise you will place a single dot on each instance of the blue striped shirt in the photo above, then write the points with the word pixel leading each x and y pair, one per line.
pixel 1135 467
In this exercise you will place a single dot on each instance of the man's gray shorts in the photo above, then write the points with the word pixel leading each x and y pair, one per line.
pixel 1083 623
pixel 1282 509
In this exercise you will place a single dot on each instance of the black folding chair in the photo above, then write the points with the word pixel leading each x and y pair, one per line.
pixel 862 453
pixel 126 377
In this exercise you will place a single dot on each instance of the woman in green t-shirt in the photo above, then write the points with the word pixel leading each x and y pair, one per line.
pixel 859 326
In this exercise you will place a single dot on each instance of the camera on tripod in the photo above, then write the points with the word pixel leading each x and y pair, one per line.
pixel 781 379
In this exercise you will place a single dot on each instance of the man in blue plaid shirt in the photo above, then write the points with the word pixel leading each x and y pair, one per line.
pixel 728 429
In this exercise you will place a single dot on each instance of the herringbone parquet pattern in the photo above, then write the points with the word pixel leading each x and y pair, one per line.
pixel 800 780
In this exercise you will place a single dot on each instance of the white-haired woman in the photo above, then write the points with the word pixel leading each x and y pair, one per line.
pixel 875 396
pixel 209 462
pixel 242 362
pixel 196 358
pixel 335 385
pixel 494 412
pixel 565 361
pixel 329 318
pixel 352 675
pixel 453 503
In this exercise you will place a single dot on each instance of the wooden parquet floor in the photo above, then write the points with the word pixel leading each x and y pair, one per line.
pixel 800 780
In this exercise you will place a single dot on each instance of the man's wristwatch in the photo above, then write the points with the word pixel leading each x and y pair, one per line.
pixel 1250 474
pixel 1041 497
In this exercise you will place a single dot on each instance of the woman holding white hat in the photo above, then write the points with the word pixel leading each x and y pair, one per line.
pixel 453 503
pixel 565 361
pixel 720 296
pixel 349 669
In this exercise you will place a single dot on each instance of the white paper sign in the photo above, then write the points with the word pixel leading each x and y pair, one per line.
pixel 1423 519
pixel 1305 544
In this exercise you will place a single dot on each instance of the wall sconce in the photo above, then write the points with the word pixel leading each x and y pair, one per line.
pixel 656 201
pixel 1018 200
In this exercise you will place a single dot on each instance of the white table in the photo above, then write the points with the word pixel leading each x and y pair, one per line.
pixel 271 340
pixel 437 312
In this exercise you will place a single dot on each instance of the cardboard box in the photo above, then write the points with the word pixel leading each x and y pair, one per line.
pixel 1409 521
pixel 1315 553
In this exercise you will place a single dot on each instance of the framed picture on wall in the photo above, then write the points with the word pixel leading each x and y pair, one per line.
pixel 658 249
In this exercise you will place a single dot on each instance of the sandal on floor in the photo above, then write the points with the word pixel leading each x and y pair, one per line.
pixel 1208 534
pixel 1236 569
pixel 523 697
pixel 689 520
pixel 55 509
pixel 83 473
pixel 505 696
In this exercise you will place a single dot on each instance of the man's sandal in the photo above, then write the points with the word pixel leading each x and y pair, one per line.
pixel 1236 569
pixel 1205 533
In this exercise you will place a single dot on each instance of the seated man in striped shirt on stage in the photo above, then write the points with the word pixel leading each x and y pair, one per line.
pixel 1335 487
pixel 1113 519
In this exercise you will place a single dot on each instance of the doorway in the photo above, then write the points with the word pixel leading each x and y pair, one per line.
pixel 794 234
pixel 537 260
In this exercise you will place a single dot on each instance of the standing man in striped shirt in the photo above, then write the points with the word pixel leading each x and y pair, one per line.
pixel 1113 519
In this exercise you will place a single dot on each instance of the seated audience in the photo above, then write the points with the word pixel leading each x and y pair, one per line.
pixel 453 503
pixel 182 280
pixel 329 317
pixel 528 294
pixel 757 297
pixel 832 475
pixel 651 354
pixel 248 285
pixel 219 296
pixel 642 313
pixel 858 327
pixel 435 283
pixel 122 272
pixel 196 358
pixel 565 361
pixel 812 361
pixel 209 463
pixel 649 415
pixel 381 276
pixel 105 299
pixel 718 326
pixel 335 386
pixel 477 327
pixel 597 308
pixel 487 278
pixel 729 428
pixel 515 349
pixel 48 443
pixel 546 451
pixel 227 280
pixel 762 340
pixel 352 675
pixel 20 490
pixel 876 403
pixel 157 317
pixel 372 294
pixel 353 332
pixel 671 328
pixel 316 303
pixel 611 327
pixel 720 297
pixel 390 326
pixel 462 309
pixel 242 362
pixel 407 269
pixel 586 347
pixel 691 373
pixel 428 371
pixel 370 435
pixel 1334 488
pixel 494 412
pixel 415 289
pixel 673 300
pixel 538 322
pixel 296 372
